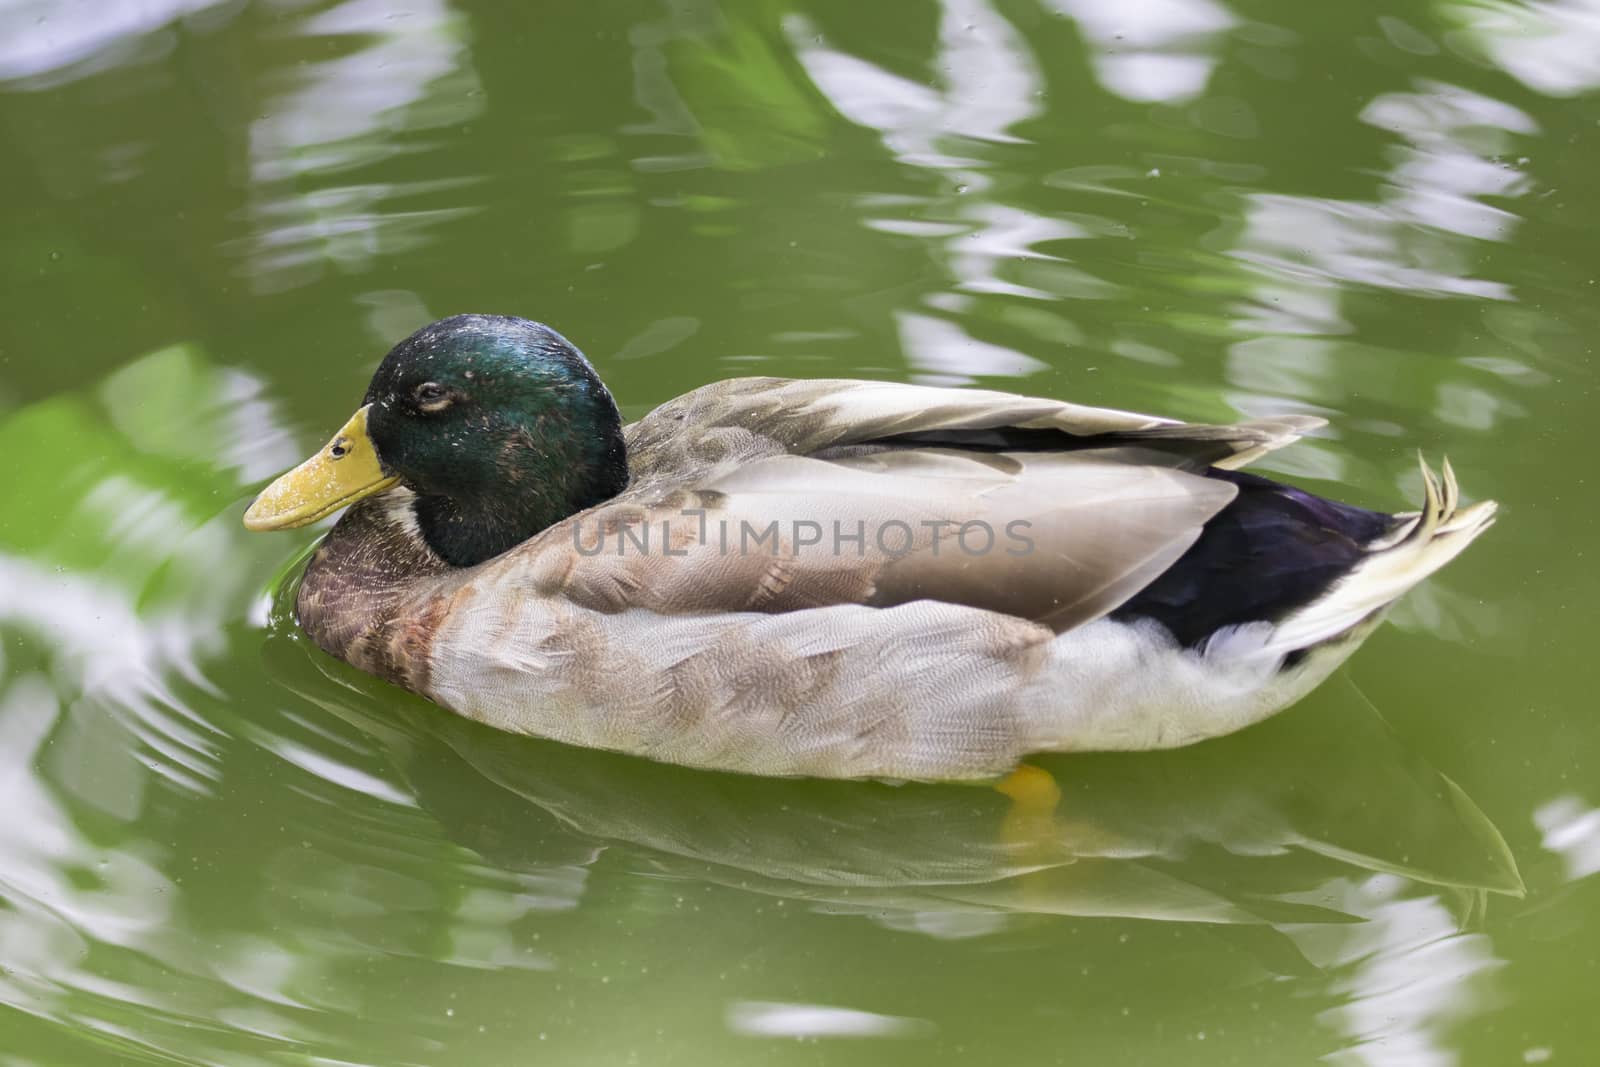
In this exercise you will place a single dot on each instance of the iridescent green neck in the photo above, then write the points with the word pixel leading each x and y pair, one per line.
pixel 543 483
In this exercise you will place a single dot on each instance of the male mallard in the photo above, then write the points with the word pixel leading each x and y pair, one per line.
pixel 833 578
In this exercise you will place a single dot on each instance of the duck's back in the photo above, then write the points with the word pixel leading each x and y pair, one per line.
pixel 747 418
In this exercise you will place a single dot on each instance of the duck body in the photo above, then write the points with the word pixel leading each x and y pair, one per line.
pixel 831 578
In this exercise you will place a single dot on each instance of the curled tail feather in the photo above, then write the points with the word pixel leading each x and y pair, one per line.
pixel 1420 543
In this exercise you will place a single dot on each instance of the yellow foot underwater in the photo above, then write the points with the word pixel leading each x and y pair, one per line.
pixel 1035 797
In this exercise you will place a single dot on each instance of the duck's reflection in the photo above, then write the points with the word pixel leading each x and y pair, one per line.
pixel 1315 843
pixel 1252 829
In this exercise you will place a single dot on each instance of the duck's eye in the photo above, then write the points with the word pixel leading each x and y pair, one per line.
pixel 431 396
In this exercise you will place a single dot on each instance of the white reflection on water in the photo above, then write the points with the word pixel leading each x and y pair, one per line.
pixel 1571 829
pixel 1551 47
pixel 46 42
pixel 114 666
pixel 1416 238
pixel 63 895
pixel 1149 50
pixel 1421 235
pixel 138 586
pixel 1408 974
pixel 948 356
pixel 412 71
pixel 337 772
pixel 1314 242
pixel 51 912
pixel 1448 164
pixel 987 82
pixel 1003 234
pixel 137 589
pixel 760 1018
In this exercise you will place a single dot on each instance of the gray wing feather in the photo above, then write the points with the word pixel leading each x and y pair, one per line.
pixel 1059 538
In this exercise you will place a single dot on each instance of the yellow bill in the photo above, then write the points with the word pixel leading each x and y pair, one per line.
pixel 344 471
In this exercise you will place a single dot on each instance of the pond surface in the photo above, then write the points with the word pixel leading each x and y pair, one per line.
pixel 220 847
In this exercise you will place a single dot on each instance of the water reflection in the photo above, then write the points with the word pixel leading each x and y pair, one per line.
pixel 1311 249
pixel 764 1019
pixel 988 83
pixel 1551 47
pixel 1151 50
pixel 46 42
pixel 400 74
pixel 1311 257
pixel 1406 976
pixel 1457 142
pixel 1571 829
pixel 119 577
pixel 139 785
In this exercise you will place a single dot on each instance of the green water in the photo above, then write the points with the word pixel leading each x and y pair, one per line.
pixel 219 847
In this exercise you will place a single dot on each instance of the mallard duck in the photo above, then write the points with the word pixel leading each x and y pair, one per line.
pixel 834 578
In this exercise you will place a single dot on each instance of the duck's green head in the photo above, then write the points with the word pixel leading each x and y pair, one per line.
pixel 497 424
